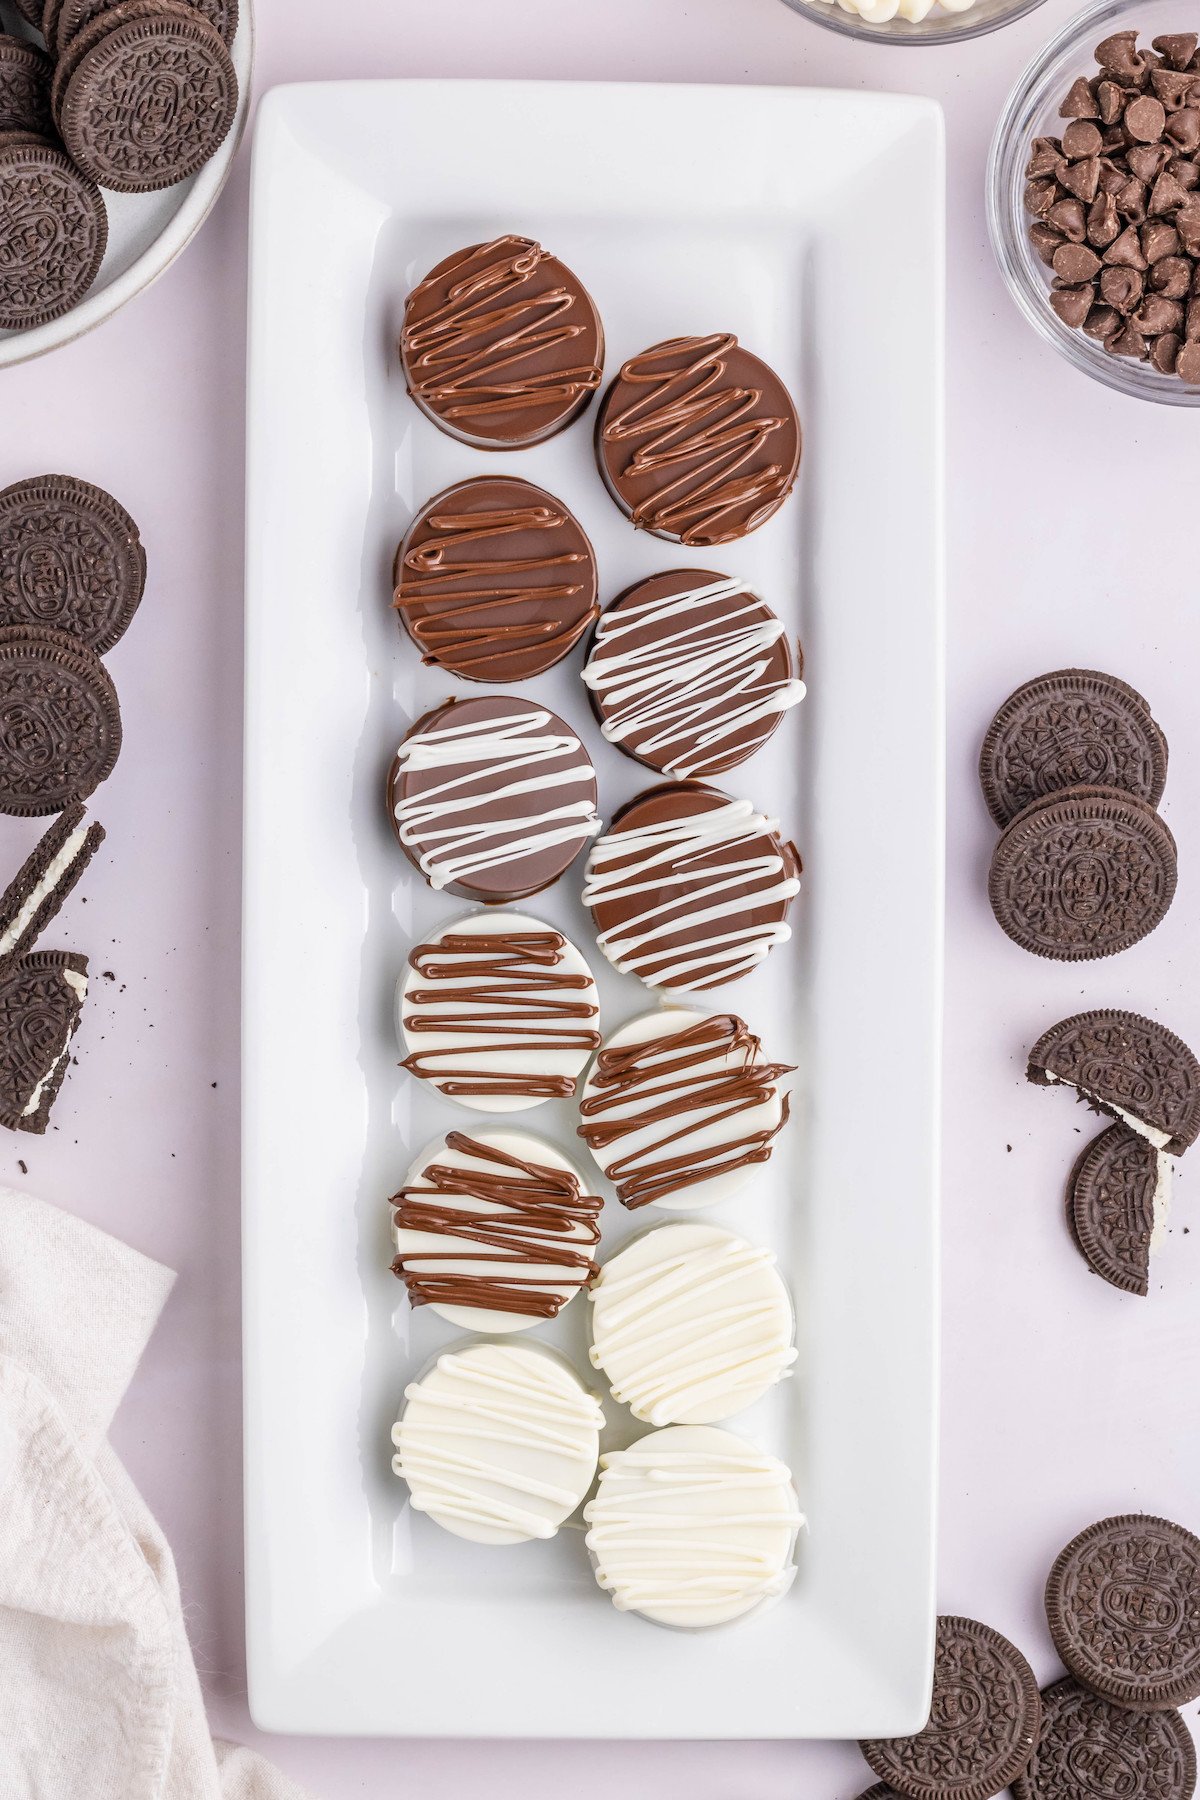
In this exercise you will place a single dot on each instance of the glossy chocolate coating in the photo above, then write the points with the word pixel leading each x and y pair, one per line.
pixel 529 791
pixel 673 912
pixel 502 345
pixel 495 580
pixel 698 440
pixel 702 708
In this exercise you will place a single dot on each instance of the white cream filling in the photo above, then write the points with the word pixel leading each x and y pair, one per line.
pixel 1161 1202
pixel 1152 1134
pixel 55 869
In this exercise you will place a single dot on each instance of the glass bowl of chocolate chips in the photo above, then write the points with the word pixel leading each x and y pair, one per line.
pixel 1093 196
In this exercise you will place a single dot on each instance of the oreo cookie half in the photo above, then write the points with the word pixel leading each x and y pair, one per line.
pixel 149 96
pixel 25 73
pixel 1123 1605
pixel 41 998
pixel 1090 1748
pixel 56 231
pixel 1127 1066
pixel 1117 1204
pixel 60 722
pixel 70 559
pixel 1072 728
pixel 39 888
pixel 1083 874
pixel 983 1722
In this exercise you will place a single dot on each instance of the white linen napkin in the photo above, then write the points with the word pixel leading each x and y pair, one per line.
pixel 99 1696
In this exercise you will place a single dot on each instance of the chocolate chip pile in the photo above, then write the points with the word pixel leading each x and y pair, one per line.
pixel 1116 206
pixel 129 95
pixel 1123 1607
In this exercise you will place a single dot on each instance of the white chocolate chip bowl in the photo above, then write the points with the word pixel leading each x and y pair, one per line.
pixel 918 22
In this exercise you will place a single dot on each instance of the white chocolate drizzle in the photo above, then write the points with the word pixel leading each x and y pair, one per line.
pixel 691 1324
pixel 687 693
pixel 692 1526
pixel 682 938
pixel 450 847
pixel 498 1442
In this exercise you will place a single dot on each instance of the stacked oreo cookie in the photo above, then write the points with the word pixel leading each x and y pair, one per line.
pixel 72 573
pixel 493 797
pixel 1073 767
pixel 1123 1608
pixel 128 95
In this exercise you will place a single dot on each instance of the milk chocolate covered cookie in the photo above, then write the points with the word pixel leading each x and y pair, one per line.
pixel 502 345
pixel 698 440
pixel 492 798
pixel 495 580
pixel 690 672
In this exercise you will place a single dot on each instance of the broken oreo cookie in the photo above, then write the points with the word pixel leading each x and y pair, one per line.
pixel 70 559
pixel 39 888
pixel 1127 1066
pixel 60 722
pixel 1089 1748
pixel 1082 874
pixel 1123 1605
pixel 983 1721
pixel 1117 1200
pixel 1071 728
pixel 41 998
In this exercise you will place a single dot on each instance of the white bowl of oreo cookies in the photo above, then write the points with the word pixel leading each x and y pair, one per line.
pixel 97 199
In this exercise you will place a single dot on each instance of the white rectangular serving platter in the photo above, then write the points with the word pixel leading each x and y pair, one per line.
pixel 810 223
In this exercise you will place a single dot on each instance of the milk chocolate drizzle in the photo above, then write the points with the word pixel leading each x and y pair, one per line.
pixel 694 432
pixel 464 356
pixel 449 602
pixel 679 1077
pixel 521 1214
pixel 516 984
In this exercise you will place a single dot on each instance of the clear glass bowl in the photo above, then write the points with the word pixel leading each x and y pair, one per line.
pixel 1032 111
pixel 940 27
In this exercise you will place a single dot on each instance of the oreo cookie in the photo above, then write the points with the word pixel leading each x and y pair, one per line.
pixel 37 891
pixel 145 95
pixel 1089 1748
pixel 70 559
pixel 1127 1066
pixel 1123 1605
pixel 983 1721
pixel 60 722
pixel 1117 1202
pixel 1083 874
pixel 25 73
pixel 73 15
pixel 54 234
pixel 881 1791
pixel 31 12
pixel 1072 728
pixel 41 998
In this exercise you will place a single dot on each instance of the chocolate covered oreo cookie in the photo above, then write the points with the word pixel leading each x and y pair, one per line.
pixel 501 345
pixel 37 891
pixel 145 95
pixel 41 998
pixel 495 580
pixel 1083 874
pixel 1123 1605
pixel 25 73
pixel 1071 728
pixel 492 798
pixel 698 440
pixel 983 1722
pixel 1117 1200
pixel 70 559
pixel 1090 1749
pixel 689 888
pixel 1127 1066
pixel 690 673
pixel 60 722
pixel 53 233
